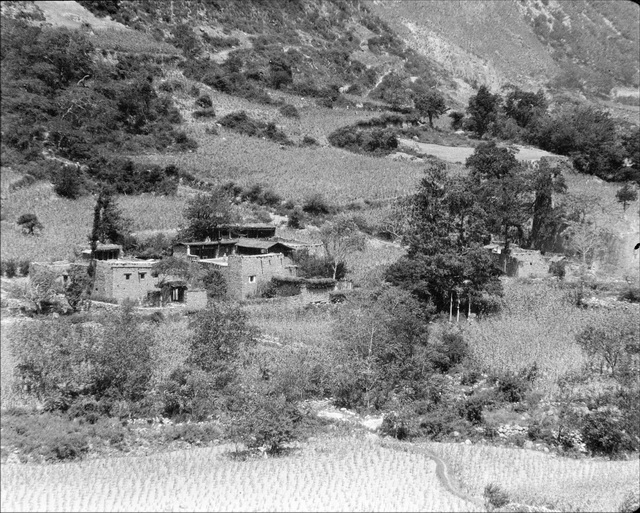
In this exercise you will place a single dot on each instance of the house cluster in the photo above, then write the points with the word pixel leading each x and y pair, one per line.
pixel 248 256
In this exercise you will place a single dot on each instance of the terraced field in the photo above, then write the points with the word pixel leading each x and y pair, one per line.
pixel 333 474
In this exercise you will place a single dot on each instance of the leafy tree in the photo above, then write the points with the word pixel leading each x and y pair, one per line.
pixel 524 106
pixel 483 109
pixel 41 290
pixel 430 103
pixel 122 362
pixel 503 187
pixel 547 221
pixel 626 194
pixel 205 213
pixel 341 238
pixel 445 256
pixel 69 183
pixel 221 335
pixel 392 90
pixel 266 421
pixel 109 224
pixel 30 223
pixel 588 136
pixel 215 284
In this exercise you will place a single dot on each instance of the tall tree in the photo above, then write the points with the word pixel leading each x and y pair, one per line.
pixel 626 194
pixel 547 221
pixel 445 254
pixel 109 224
pixel 524 106
pixel 429 103
pixel 503 187
pixel 483 110
pixel 205 213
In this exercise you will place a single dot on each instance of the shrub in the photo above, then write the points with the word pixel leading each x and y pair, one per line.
pixel 289 111
pixel 296 218
pixel 494 496
pixel 266 422
pixel 456 119
pixel 451 352
pixel 395 425
pixel 631 294
pixel 11 268
pixel 316 205
pixel 558 269
pixel 24 267
pixel 512 387
pixel 309 141
pixel 204 102
pixel 204 113
pixel 29 223
pixel 23 181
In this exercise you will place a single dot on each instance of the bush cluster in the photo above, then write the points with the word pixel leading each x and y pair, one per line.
pixel 241 122
pixel 376 141
pixel 12 268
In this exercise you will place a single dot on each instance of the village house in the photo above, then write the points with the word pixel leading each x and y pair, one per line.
pixel 245 274
pixel 523 263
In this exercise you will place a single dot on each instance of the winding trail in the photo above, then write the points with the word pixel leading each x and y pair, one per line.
pixel 442 470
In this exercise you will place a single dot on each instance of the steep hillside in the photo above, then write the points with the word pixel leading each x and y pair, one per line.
pixel 478 42
pixel 584 45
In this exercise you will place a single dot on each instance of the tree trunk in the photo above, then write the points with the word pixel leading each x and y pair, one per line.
pixel 430 119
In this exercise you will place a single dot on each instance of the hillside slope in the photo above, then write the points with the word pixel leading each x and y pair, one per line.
pixel 582 45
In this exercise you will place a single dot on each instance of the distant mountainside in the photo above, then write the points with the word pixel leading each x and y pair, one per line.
pixel 586 45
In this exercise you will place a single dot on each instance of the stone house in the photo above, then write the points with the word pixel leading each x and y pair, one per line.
pixel 103 252
pixel 205 249
pixel 124 279
pixel 245 274
pixel 523 263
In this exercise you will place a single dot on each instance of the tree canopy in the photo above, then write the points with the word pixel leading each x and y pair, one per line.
pixel 430 103
pixel 445 257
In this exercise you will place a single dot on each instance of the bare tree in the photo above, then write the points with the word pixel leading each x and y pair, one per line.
pixel 341 238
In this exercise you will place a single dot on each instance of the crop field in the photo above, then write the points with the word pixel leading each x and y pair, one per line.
pixel 296 173
pixel 67 223
pixel 533 477
pixel 328 474
pixel 537 324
